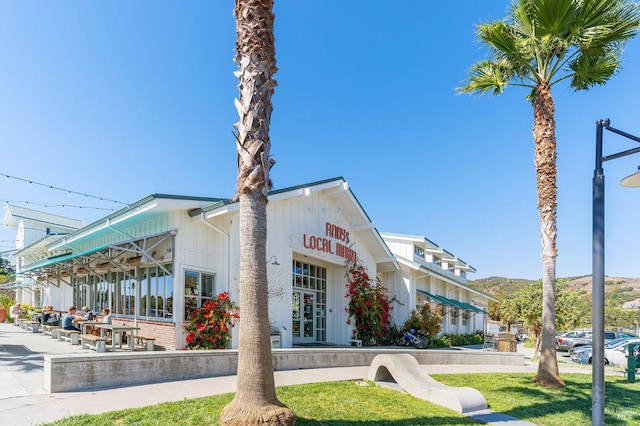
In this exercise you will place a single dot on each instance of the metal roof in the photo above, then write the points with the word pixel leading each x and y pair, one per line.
pixel 16 212
pixel 451 302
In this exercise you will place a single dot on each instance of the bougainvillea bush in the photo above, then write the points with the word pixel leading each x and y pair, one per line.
pixel 369 305
pixel 209 327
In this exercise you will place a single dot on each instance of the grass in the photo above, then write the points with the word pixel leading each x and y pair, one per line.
pixel 360 403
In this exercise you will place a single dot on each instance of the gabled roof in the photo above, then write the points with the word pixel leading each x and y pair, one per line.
pixel 39 247
pixel 14 214
pixel 431 247
pixel 441 275
pixel 336 188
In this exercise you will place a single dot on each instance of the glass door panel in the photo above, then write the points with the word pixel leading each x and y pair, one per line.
pixel 308 316
pixel 303 317
pixel 296 315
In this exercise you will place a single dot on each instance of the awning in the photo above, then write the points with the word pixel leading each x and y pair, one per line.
pixel 455 303
pixel 61 258
pixel 19 285
pixel 7 284
pixel 137 247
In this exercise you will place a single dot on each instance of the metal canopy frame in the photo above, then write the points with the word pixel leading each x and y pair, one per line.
pixel 120 257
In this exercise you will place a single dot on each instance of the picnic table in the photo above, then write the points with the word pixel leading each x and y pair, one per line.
pixel 116 334
pixel 85 324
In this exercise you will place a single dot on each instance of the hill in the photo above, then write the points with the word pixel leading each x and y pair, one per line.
pixel 617 290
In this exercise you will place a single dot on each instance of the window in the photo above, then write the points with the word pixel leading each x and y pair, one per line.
pixel 437 260
pixel 126 287
pixel 454 316
pixel 118 291
pixel 418 251
pixel 465 317
pixel 103 293
pixel 198 288
pixel 80 294
pixel 156 292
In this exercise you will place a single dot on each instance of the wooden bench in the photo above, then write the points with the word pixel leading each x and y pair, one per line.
pixel 50 330
pixel 147 342
pixel 89 341
pixel 490 342
pixel 68 336
pixel 34 326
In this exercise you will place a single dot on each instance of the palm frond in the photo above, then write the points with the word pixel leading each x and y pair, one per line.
pixel 488 76
pixel 553 18
pixel 547 41
pixel 589 71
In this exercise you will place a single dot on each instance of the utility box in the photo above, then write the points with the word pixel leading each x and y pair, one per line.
pixel 276 341
pixel 507 342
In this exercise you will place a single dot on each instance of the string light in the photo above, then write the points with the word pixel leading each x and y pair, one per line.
pixel 68 191
pixel 44 231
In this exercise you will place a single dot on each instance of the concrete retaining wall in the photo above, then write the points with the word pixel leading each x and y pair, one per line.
pixel 63 373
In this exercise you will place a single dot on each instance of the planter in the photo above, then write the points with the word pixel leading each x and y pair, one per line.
pixel 3 314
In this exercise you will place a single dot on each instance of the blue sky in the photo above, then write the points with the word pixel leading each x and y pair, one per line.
pixel 123 99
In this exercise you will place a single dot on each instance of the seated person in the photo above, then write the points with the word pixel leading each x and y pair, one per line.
pixel 106 316
pixel 47 312
pixel 16 312
pixel 69 318
pixel 88 314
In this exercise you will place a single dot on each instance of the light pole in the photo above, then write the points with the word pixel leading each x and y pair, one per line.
pixel 597 402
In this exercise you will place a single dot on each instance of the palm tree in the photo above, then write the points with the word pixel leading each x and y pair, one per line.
pixel 255 401
pixel 541 43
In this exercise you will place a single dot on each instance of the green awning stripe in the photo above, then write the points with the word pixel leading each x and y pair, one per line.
pixel 58 259
pixel 446 301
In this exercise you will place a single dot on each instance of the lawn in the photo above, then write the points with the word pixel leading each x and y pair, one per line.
pixel 357 402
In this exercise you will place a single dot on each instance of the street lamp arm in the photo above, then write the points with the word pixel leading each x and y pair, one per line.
pixel 620 132
pixel 621 154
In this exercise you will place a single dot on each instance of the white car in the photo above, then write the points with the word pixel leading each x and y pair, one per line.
pixel 582 354
pixel 618 355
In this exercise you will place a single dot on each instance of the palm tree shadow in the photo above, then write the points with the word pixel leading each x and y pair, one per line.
pixel 620 402
pixel 20 358
pixel 444 420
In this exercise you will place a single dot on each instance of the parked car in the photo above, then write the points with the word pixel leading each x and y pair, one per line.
pixel 582 354
pixel 565 343
pixel 618 355
pixel 573 333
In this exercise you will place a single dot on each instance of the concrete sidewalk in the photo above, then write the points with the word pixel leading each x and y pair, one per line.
pixel 24 402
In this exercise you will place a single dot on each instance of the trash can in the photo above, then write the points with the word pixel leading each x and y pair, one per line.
pixel 507 342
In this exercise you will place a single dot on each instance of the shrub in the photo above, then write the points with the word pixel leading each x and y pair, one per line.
pixel 369 306
pixel 392 336
pixel 476 338
pixel 209 327
pixel 427 321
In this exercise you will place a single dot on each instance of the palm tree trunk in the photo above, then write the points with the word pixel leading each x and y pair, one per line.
pixel 255 401
pixel 544 138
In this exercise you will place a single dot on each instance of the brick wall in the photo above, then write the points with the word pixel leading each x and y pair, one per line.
pixel 164 332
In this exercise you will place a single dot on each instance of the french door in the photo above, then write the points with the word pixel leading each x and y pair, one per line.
pixel 303 315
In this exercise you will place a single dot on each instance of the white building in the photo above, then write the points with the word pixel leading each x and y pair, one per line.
pixel 155 260
pixel 428 273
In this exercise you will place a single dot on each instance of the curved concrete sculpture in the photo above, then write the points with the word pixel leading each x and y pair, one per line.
pixel 407 373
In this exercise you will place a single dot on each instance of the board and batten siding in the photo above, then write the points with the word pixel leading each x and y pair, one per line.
pixel 288 222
